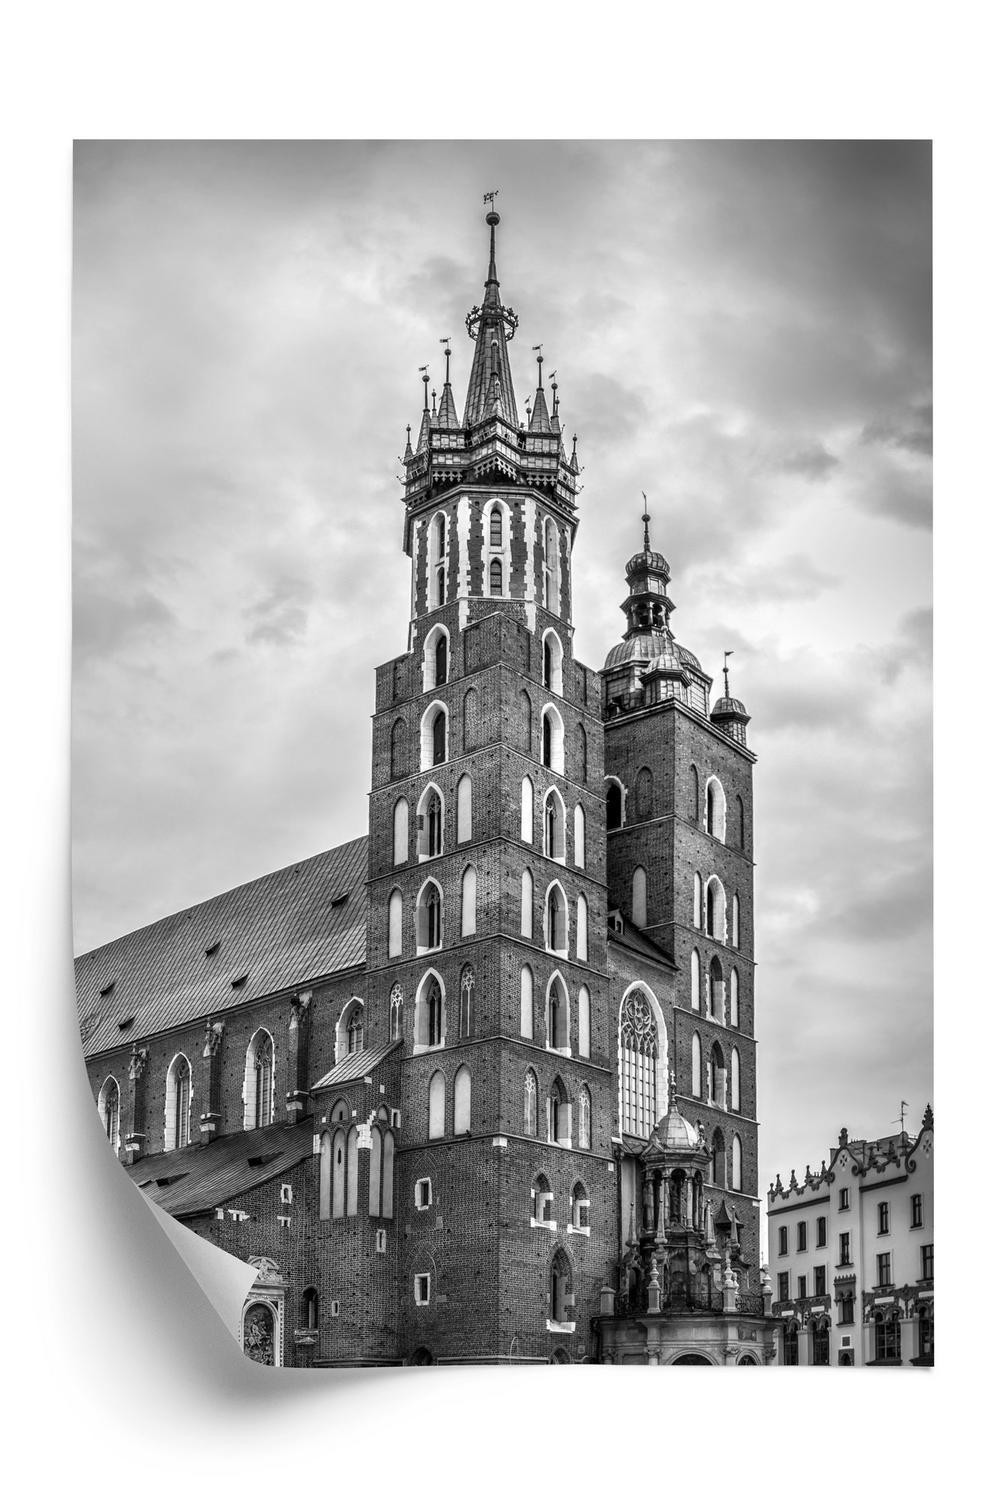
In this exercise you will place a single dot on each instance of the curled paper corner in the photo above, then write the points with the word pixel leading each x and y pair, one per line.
pixel 225 1279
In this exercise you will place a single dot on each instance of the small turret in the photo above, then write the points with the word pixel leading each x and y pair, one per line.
pixel 729 714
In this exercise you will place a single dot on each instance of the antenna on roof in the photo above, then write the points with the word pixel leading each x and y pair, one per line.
pixel 900 1119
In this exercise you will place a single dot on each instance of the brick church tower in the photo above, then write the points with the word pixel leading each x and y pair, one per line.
pixel 487 911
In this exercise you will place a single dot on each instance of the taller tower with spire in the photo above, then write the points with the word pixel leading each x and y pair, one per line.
pixel 487 949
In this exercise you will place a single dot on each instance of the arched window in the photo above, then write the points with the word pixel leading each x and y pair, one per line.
pixel 696 912
pixel 351 1207
pixel 263 1080
pixel 557 1016
pixel 530 1103
pixel 615 803
pixel 581 752
pixel 526 728
pixel 470 719
pixel 716 991
pixel 435 1106
pixel 718 1167
pixel 428 1023
pixel 740 822
pixel 375 1175
pixel 734 1082
pixel 325 1173
pixel 433 736
pixel 552 740
pixel 695 979
pixel 397 749
pixel 527 810
pixel 695 801
pixel 429 917
pixel 388 1163
pixel 643 794
pixel 554 824
pixel 561 1289
pixel 696 1066
pixel 638 1049
pixel 356 1030
pixel 715 809
pixel 109 1108
pixel 463 1101
pixel 439 567
pixel 579 837
pixel 717 1077
pixel 715 908
pixel 584 1118
pixel 550 569
pixel 584 1021
pixel 395 923
pixel 435 658
pixel 469 901
pixel 560 1115
pixel 467 991
pixel 339 1154
pixel 734 998
pixel 527 1002
pixel 541 1198
pixel 496 527
pixel 496 578
pixel 737 1179
pixel 395 1012
pixel 464 810
pixel 580 1214
pixel 527 904
pixel 430 824
pixel 556 925
pixel 552 662
pixel 401 832
pixel 736 920
pixel 639 896
pixel 582 924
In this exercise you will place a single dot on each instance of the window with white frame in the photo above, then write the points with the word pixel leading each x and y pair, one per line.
pixel 557 1014
pixel 584 1114
pixel 715 809
pixel 580 1212
pixel 463 1100
pixel 258 1082
pixel 527 1002
pixel 422 1195
pixel 422 1288
pixel 436 646
pixel 527 810
pixel 430 823
pixel 527 904
pixel 464 833
pixel 395 923
pixel 584 1021
pixel 639 896
pixel 434 736
pixel 428 917
pixel 468 923
pixel 435 1106
pixel 638 1049
pixel 556 924
pixel 109 1108
pixel 553 752
pixel 579 836
pixel 582 928
pixel 401 832
pixel 554 826
pixel 541 1200
pixel 695 979
pixel 530 1103
pixel 429 1015
pixel 552 662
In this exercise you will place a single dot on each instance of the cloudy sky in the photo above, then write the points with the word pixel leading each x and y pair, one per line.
pixel 742 330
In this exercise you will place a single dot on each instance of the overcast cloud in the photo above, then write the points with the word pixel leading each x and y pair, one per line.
pixel 742 330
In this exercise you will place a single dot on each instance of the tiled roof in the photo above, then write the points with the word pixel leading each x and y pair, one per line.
pixel 276 933
pixel 357 1065
pixel 199 1179
pixel 634 938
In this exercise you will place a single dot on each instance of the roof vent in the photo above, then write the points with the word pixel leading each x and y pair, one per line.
pixel 262 1161
pixel 124 1025
pixel 210 952
pixel 339 900
pixel 107 990
pixel 240 982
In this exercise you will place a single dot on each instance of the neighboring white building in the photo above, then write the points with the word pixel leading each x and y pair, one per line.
pixel 851 1254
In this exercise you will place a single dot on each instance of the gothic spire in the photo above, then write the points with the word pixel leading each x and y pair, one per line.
pixel 447 416
pixel 491 390
pixel 425 420
pixel 539 412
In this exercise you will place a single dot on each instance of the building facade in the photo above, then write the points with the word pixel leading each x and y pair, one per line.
pixel 851 1254
pixel 481 1085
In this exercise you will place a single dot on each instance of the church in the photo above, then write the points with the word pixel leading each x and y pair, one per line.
pixel 478 1086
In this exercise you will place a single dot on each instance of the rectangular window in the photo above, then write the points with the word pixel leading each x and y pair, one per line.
pixel 782 1286
pixel 883 1218
pixel 845 1249
pixel 820 1232
pixel 422 1290
pixel 802 1286
pixel 422 1192
pixel 819 1276
pixel 845 1198
pixel 927 1262
pixel 883 1269
pixel 917 1211
pixel 847 1308
pixel 783 1240
pixel 380 1241
pixel 801 1231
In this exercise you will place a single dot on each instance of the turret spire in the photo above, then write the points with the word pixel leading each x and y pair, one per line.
pixel 491 390
pixel 539 420
pixel 447 415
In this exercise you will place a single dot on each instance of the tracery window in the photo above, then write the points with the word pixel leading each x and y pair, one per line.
pixel 584 1118
pixel 530 1103
pixel 263 1068
pixel 468 985
pixel 395 1011
pixel 496 578
pixel 429 918
pixel 178 1125
pixel 109 1104
pixel 496 527
pixel 356 1030
pixel 638 1049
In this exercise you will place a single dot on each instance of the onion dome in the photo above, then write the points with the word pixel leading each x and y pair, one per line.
pixel 729 714
pixel 642 647
pixel 669 662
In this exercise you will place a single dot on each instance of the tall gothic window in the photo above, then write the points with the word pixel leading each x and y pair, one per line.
pixel 614 805
pixel 638 1049
pixel 397 749
pixel 263 1067
pixel 356 1030
pixel 439 738
pixel 395 1011
pixel 496 527
pixel 441 660
pixel 584 1116
pixel 434 1006
pixel 110 1107
pixel 468 987
pixel 178 1131
pixel 530 1103
pixel 496 578
pixel 429 918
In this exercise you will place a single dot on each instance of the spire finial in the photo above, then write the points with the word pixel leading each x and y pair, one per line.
pixel 447 359
pixel 645 523
pixel 427 381
pixel 434 403
pixel 672 1090
pixel 538 351
pixel 492 219
pixel 725 670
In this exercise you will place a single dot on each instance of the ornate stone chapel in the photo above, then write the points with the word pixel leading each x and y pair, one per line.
pixel 478 1086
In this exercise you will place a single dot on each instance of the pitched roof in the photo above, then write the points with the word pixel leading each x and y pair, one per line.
pixel 199 1179
pixel 276 933
pixel 635 938
pixel 357 1064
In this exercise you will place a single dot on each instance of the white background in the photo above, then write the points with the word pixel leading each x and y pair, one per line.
pixel 119 1376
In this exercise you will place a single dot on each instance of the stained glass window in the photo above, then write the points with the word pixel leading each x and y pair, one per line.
pixel 637 1047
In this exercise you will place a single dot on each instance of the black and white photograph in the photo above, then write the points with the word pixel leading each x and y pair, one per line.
pixel 501 740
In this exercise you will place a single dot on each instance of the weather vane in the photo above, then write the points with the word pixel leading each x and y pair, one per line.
pixel 488 197
pixel 645 521
pixel 725 669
